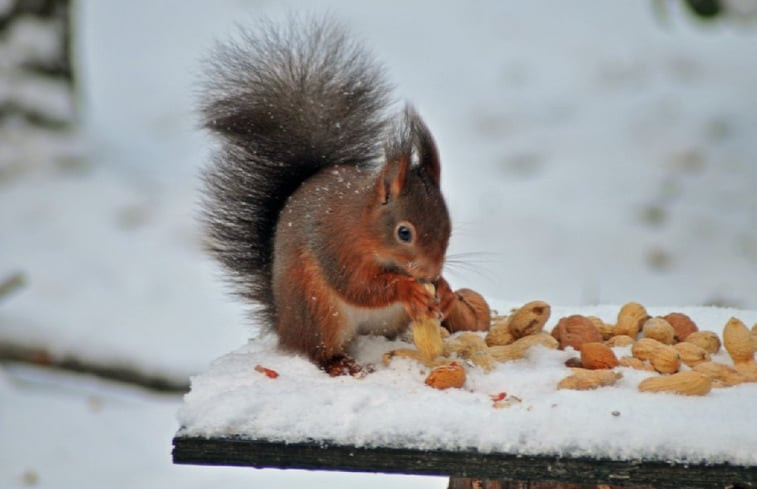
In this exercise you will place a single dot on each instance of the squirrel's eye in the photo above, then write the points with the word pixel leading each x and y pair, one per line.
pixel 405 233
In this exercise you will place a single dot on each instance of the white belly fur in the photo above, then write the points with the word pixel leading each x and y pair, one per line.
pixel 384 321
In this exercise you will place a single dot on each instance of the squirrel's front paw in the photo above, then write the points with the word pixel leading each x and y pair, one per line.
pixel 420 302
pixel 445 296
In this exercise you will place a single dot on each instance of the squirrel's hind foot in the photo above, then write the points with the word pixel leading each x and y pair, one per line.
pixel 345 365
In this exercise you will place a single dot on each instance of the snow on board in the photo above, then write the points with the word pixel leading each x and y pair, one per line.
pixel 392 407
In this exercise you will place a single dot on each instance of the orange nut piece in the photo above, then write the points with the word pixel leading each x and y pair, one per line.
pixel 597 356
pixel 447 376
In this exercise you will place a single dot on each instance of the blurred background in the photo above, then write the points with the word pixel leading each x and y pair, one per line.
pixel 591 154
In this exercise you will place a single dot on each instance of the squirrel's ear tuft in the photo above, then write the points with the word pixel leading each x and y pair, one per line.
pixel 423 141
pixel 391 181
pixel 410 145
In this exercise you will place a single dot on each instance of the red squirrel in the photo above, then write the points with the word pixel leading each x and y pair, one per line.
pixel 325 210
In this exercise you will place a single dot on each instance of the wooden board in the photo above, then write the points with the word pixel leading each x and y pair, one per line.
pixel 326 456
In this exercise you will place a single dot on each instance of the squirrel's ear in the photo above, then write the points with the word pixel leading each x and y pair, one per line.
pixel 391 180
pixel 428 155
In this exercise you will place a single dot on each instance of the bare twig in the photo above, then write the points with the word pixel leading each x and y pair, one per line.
pixel 11 284
pixel 15 352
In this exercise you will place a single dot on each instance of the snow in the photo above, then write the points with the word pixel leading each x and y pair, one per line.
pixel 599 154
pixel 392 407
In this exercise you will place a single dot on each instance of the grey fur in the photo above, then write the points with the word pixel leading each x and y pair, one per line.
pixel 284 103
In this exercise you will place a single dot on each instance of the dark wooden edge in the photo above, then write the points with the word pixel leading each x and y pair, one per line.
pixel 328 456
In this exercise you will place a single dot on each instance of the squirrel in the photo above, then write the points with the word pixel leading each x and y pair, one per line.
pixel 324 208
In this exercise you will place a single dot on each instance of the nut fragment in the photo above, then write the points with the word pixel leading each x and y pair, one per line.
pixel 659 329
pixel 499 332
pixel 597 356
pixel 574 331
pixel 691 354
pixel 688 383
pixel 630 318
pixel 707 340
pixel 469 312
pixel 446 376
pixel 682 324
pixel 529 318
pixel 518 349
pixel 584 379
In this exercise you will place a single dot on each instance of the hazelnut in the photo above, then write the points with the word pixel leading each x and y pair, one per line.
pixel 574 331
pixel 469 312
pixel 682 325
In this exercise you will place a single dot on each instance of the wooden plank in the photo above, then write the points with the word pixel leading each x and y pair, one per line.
pixel 327 456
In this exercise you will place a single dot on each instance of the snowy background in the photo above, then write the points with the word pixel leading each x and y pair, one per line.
pixel 593 154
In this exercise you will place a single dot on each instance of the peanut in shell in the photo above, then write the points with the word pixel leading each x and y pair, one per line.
pixel 517 349
pixel 689 383
pixel 659 329
pixel 644 348
pixel 620 340
pixel 724 374
pixel 499 332
pixel 691 354
pixel 665 360
pixel 737 341
pixel 471 347
pixel 630 319
pixel 635 363
pixel 584 379
pixel 707 340
pixel 529 319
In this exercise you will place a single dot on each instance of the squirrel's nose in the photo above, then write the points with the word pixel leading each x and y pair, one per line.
pixel 427 270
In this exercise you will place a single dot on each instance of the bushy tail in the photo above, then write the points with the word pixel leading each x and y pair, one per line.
pixel 284 103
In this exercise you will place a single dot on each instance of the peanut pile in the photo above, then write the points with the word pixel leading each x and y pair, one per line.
pixel 671 347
